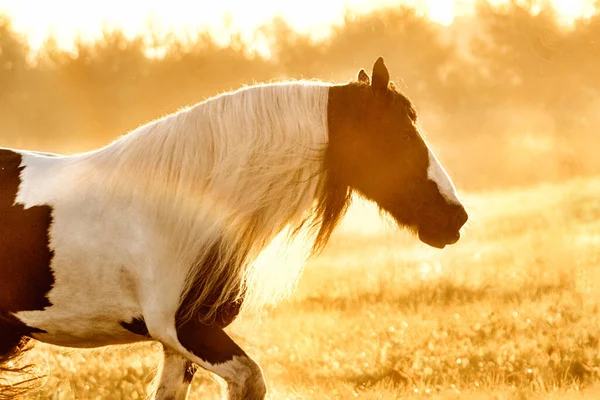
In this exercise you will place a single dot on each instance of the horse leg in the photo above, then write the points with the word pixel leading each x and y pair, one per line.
pixel 211 348
pixel 222 356
pixel 175 377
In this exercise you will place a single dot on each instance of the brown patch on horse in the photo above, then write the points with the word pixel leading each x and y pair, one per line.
pixel 9 325
pixel 25 255
pixel 136 326
pixel 190 370
pixel 209 342
pixel 225 314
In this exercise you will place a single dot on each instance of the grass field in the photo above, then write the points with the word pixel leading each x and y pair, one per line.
pixel 511 311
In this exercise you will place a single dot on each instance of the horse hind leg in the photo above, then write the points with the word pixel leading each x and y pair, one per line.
pixel 12 347
pixel 174 380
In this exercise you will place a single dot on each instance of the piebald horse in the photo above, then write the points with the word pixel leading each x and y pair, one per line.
pixel 156 236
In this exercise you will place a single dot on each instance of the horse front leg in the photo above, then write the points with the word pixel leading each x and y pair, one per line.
pixel 174 380
pixel 211 348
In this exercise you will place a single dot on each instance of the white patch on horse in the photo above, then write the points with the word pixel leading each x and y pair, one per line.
pixel 437 174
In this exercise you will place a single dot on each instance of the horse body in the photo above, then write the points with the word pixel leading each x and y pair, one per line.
pixel 157 235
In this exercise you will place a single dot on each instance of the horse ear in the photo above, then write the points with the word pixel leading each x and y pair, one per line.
pixel 381 76
pixel 363 77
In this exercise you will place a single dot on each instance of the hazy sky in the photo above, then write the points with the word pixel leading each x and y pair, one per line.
pixel 66 18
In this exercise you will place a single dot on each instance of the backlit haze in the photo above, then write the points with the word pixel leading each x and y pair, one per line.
pixel 67 20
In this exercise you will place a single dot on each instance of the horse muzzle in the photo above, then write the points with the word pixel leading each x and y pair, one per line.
pixel 438 241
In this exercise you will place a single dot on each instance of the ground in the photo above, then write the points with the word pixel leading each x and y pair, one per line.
pixel 511 311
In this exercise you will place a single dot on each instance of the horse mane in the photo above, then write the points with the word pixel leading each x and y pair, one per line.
pixel 230 182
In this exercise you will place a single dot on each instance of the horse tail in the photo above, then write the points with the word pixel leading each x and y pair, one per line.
pixel 13 346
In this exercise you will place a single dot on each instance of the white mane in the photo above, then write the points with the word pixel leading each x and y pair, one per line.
pixel 232 173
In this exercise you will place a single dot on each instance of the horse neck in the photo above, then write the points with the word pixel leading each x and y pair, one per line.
pixel 251 159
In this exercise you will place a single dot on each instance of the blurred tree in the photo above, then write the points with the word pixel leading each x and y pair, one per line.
pixel 13 56
pixel 15 78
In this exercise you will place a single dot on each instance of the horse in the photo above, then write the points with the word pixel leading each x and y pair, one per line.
pixel 155 236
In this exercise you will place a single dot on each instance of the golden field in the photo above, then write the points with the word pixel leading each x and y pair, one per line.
pixel 511 311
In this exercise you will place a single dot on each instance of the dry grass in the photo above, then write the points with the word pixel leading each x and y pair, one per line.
pixel 511 311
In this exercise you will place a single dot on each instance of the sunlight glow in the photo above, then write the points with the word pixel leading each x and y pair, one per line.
pixel 573 9
pixel 68 21
pixel 442 12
